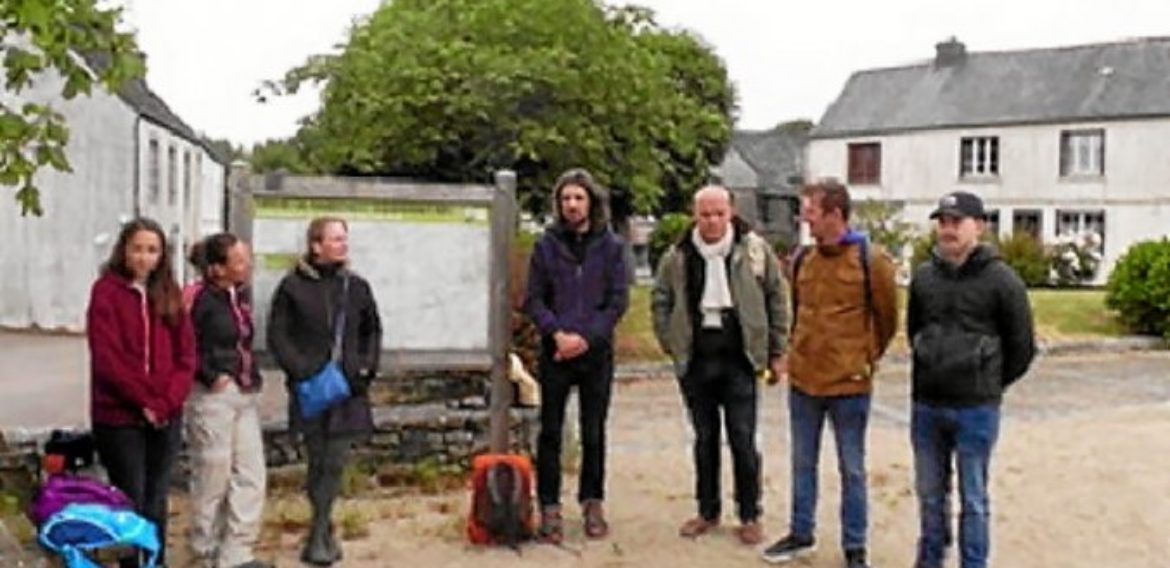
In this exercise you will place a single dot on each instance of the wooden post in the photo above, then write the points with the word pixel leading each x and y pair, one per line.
pixel 503 229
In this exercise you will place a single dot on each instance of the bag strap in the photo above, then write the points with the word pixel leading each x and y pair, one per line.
pixel 339 320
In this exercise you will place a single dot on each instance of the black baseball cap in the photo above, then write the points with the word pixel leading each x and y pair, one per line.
pixel 960 204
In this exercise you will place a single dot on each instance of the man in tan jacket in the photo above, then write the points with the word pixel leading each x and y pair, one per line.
pixel 844 315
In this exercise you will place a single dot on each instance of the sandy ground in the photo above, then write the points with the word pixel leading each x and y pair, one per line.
pixel 1081 479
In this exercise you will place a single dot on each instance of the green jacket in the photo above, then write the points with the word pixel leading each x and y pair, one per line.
pixel 757 295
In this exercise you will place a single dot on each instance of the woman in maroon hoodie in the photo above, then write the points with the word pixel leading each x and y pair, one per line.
pixel 142 361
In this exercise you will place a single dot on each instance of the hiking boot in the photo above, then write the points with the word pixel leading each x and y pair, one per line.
pixel 552 530
pixel 595 525
pixel 788 548
pixel 696 527
pixel 750 533
pixel 855 558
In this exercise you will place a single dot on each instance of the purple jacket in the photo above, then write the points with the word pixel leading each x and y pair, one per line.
pixel 586 297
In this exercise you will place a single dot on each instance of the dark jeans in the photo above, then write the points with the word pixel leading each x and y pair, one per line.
pixel 730 387
pixel 966 435
pixel 849 416
pixel 138 460
pixel 592 373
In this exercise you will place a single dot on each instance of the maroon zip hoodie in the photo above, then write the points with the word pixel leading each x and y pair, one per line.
pixel 127 375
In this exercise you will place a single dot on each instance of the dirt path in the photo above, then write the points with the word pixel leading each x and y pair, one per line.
pixel 1081 478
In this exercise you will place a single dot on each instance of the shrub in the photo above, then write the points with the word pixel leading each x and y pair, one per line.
pixel 1074 259
pixel 1139 288
pixel 1026 255
pixel 669 230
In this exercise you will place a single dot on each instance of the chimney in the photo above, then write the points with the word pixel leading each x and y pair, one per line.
pixel 949 53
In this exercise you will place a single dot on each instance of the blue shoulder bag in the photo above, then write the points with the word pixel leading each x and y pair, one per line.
pixel 328 386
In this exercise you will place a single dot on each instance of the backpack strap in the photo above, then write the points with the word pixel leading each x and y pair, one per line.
pixel 797 260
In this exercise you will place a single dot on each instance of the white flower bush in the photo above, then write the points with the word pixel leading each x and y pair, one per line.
pixel 1074 258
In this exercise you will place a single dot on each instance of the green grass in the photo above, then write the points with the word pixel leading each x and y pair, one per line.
pixel 634 339
pixel 1073 313
pixel 1059 314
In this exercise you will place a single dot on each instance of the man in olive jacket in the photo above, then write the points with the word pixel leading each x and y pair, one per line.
pixel 718 306
pixel 970 327
pixel 844 315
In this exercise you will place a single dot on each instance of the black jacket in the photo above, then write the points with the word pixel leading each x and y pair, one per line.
pixel 300 326
pixel 970 329
pixel 217 336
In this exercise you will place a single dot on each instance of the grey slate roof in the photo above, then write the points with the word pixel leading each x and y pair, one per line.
pixel 146 103
pixel 774 155
pixel 1126 79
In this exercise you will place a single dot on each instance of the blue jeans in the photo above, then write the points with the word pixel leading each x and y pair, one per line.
pixel 967 436
pixel 849 416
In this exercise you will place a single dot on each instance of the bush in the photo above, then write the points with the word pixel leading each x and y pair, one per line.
pixel 1139 288
pixel 1074 259
pixel 669 230
pixel 1026 255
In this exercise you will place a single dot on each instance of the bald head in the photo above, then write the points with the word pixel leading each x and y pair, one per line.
pixel 713 192
pixel 713 212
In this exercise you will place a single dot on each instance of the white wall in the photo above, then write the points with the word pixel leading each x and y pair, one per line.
pixel 187 208
pixel 918 167
pixel 50 262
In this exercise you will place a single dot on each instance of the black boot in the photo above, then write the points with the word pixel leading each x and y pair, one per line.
pixel 334 545
pixel 317 550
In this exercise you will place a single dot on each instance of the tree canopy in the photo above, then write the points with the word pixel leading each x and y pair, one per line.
pixel 451 90
pixel 42 36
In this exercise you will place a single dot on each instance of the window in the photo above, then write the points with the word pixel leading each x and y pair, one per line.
pixel 172 177
pixel 1082 223
pixel 1027 221
pixel 153 186
pixel 979 156
pixel 187 181
pixel 993 222
pixel 1082 152
pixel 865 163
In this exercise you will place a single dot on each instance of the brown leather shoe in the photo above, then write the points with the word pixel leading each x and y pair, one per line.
pixel 595 525
pixel 750 533
pixel 696 527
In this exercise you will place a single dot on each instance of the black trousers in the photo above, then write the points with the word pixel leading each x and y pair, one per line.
pixel 727 385
pixel 139 460
pixel 592 373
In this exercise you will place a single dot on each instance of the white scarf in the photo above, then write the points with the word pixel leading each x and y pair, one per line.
pixel 716 292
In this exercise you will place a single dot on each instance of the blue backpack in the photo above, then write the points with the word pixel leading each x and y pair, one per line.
pixel 81 528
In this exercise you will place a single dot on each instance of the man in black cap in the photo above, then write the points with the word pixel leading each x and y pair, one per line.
pixel 970 326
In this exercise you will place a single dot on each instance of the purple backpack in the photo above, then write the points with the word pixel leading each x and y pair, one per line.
pixel 62 490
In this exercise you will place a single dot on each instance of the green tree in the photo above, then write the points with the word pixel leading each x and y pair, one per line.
pixel 42 36
pixel 882 221
pixel 273 155
pixel 451 90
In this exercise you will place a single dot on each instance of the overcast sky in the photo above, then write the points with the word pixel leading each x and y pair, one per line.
pixel 787 59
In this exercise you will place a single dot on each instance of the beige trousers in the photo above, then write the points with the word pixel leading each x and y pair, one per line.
pixel 228 475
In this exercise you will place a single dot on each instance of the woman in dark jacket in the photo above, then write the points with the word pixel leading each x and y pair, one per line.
pixel 142 358
pixel 223 418
pixel 301 337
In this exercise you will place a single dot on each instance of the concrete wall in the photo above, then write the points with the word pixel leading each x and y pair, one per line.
pixel 918 167
pixel 50 262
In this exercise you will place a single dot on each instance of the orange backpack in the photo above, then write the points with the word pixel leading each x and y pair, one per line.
pixel 501 500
